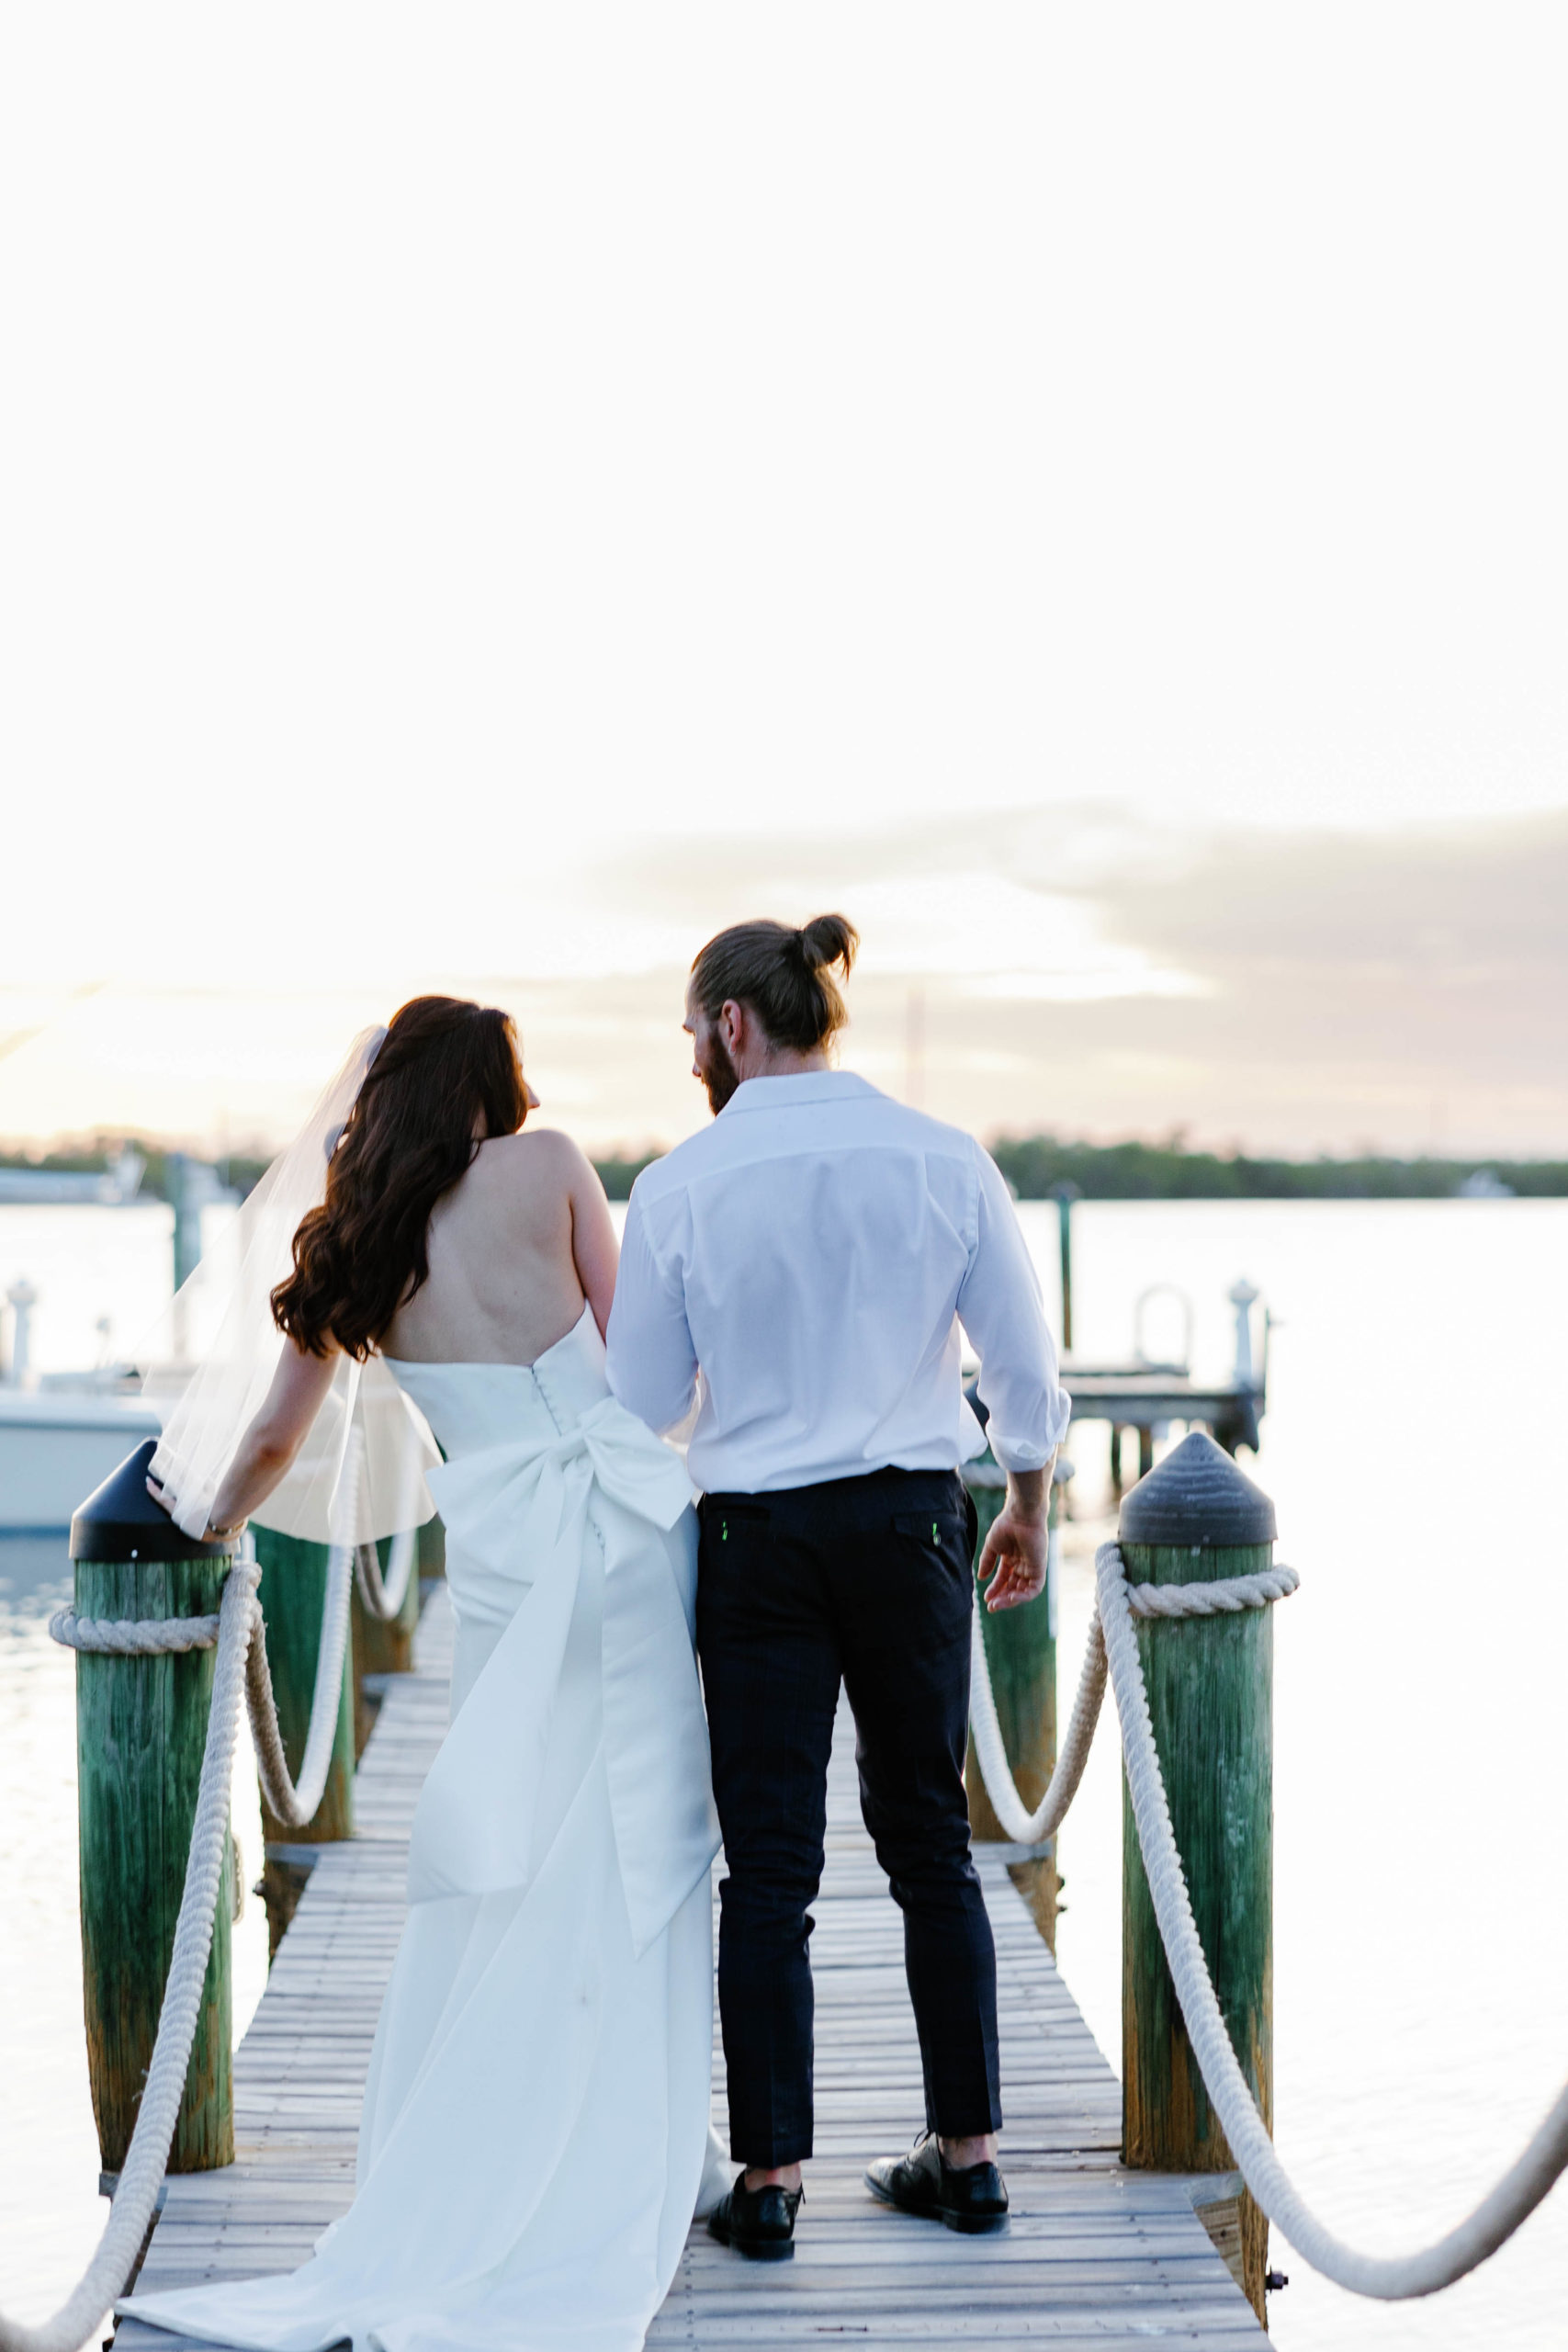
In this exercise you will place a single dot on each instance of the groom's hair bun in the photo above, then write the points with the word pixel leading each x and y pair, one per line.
pixel 828 940
pixel 786 977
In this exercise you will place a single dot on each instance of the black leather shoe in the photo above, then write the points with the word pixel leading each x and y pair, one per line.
pixel 757 2223
pixel 973 2201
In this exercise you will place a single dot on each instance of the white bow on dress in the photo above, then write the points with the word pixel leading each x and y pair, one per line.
pixel 519 1512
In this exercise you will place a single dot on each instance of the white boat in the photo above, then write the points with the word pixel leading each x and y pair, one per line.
pixel 62 1432
pixel 56 1445
pixel 112 1187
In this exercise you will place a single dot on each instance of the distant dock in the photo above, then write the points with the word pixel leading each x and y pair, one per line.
pixel 1149 1397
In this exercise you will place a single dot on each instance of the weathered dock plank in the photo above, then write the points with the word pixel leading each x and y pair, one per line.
pixel 1095 2257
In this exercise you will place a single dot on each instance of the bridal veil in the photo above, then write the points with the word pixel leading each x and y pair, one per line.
pixel 211 1360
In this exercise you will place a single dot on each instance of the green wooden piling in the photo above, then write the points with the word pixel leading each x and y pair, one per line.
pixel 293 1590
pixel 141 1733
pixel 1209 1682
pixel 385 1644
pixel 1021 1651
pixel 382 1644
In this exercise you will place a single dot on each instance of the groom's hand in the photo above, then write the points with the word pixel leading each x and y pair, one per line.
pixel 1012 1559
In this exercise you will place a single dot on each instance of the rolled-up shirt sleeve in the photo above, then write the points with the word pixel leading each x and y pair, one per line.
pixel 999 1305
pixel 651 1363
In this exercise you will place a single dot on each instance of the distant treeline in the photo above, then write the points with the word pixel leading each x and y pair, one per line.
pixel 93 1158
pixel 242 1169
pixel 1033 1165
pixel 618 1176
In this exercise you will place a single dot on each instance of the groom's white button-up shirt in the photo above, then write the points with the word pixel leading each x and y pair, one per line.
pixel 802 1266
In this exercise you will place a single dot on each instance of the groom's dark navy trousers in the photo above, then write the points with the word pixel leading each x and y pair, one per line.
pixel 867 1580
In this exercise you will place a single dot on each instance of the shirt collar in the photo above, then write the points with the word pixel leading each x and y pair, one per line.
pixel 801 1086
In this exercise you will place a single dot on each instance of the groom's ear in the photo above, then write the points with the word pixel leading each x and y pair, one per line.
pixel 733 1020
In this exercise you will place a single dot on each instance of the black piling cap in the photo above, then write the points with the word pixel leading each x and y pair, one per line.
pixel 1197 1496
pixel 121 1522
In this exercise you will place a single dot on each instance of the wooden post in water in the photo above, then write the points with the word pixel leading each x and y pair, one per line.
pixel 183 1182
pixel 141 1733
pixel 1064 1194
pixel 1209 1682
pixel 1021 1651
pixel 293 1589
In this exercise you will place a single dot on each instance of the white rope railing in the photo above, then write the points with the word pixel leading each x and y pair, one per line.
pixel 141 2175
pixel 383 1597
pixel 293 1803
pixel 1112 1650
pixel 1222 1597
pixel 239 1636
pixel 1389 2277
pixel 1026 1829
pixel 296 1804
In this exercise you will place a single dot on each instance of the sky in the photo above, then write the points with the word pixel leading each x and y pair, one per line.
pixel 488 497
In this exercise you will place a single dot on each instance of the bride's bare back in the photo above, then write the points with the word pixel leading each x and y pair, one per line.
pixel 513 1248
pixel 516 1247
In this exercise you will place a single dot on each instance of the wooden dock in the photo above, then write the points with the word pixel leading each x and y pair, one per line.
pixel 1095 2256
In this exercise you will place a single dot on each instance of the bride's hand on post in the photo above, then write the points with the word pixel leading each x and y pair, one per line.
pixel 262 1459
pixel 167 1501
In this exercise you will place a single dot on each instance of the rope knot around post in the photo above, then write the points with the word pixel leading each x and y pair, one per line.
pixel 1215 1597
pixel 133 1636
pixel 1223 1596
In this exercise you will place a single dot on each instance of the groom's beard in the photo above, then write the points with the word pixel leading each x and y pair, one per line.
pixel 719 1074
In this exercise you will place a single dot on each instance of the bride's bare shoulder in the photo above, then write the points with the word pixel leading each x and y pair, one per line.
pixel 537 1162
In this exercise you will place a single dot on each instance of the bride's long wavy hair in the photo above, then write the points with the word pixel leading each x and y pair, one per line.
pixel 448 1077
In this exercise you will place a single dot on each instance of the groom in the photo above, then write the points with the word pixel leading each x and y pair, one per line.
pixel 801 1267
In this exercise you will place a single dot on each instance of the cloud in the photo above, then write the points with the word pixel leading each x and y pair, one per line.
pixel 1444 950
pixel 1083 970
pixel 1409 988
pixel 1096 971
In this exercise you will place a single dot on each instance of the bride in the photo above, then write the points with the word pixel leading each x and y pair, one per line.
pixel 534 2138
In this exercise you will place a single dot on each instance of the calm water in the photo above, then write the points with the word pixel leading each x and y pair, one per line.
pixel 1418 1392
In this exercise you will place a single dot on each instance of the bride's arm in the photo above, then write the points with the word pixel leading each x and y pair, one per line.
pixel 268 1447
pixel 594 1249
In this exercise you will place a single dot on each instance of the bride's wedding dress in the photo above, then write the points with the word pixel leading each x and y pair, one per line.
pixel 534 2138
